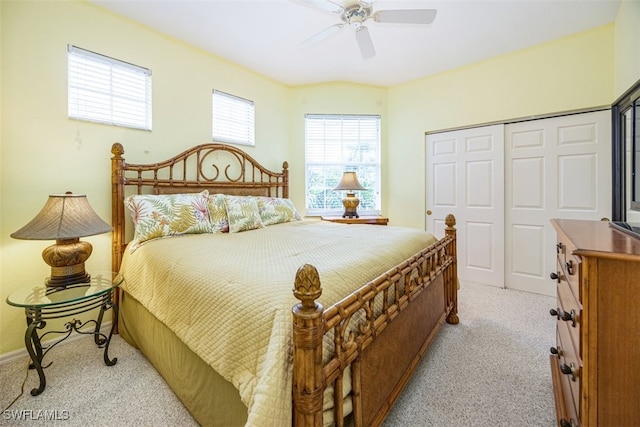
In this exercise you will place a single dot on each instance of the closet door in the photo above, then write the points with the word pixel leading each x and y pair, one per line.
pixel 465 177
pixel 558 167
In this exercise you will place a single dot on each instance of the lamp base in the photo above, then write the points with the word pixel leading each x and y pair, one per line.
pixel 64 281
pixel 66 259
pixel 350 204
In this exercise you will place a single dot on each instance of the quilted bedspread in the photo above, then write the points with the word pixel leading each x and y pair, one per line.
pixel 228 296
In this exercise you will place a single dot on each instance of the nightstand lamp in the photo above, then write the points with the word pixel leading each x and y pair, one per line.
pixel 349 183
pixel 65 218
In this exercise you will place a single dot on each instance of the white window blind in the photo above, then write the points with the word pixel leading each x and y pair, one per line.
pixel 233 119
pixel 335 144
pixel 106 90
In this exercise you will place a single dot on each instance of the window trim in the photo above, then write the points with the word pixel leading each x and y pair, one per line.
pixel 619 152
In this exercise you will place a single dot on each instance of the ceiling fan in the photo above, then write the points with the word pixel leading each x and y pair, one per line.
pixel 356 14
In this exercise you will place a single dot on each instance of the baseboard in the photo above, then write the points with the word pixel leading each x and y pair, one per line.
pixel 22 353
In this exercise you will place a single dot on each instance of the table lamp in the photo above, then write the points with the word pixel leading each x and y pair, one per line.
pixel 349 183
pixel 65 218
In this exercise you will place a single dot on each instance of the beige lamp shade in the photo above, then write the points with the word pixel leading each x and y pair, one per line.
pixel 350 183
pixel 65 218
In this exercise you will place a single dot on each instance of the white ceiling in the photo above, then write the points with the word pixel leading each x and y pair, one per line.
pixel 264 35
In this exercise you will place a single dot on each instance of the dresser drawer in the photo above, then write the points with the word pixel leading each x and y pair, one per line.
pixel 570 367
pixel 568 312
pixel 571 272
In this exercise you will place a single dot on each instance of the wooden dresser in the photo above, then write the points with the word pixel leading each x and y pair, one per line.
pixel 595 363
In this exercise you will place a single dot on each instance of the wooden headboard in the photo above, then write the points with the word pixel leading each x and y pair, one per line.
pixel 219 168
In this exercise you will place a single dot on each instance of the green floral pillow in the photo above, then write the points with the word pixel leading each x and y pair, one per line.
pixel 275 210
pixel 156 216
pixel 243 213
pixel 218 214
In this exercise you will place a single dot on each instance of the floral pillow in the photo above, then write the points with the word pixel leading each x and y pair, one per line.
pixel 243 213
pixel 156 216
pixel 218 214
pixel 275 210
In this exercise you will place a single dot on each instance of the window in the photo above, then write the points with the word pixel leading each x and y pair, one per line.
pixel 233 119
pixel 105 90
pixel 335 144
pixel 626 155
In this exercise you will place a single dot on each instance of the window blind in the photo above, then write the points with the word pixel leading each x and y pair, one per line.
pixel 106 90
pixel 233 119
pixel 335 144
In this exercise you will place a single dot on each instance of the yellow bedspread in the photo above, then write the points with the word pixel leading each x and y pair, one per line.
pixel 229 296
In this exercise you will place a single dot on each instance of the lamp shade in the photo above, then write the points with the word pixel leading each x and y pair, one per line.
pixel 349 182
pixel 63 217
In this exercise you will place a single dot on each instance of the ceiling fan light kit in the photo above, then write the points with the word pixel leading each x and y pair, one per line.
pixel 357 14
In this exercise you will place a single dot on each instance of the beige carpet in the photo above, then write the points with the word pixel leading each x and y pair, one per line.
pixel 492 369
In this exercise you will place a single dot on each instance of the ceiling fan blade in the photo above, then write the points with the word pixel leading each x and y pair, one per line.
pixel 321 36
pixel 365 43
pixel 405 16
pixel 322 5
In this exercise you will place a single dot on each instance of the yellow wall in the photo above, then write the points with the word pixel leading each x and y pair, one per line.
pixel 330 98
pixel 572 73
pixel 627 46
pixel 43 152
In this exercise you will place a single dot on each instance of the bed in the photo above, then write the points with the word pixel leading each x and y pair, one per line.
pixel 278 320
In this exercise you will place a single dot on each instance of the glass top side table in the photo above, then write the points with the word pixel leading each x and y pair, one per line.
pixel 42 303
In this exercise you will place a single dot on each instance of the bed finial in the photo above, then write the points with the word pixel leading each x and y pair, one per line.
pixel 307 286
pixel 285 165
pixel 308 374
pixel 450 221
pixel 117 150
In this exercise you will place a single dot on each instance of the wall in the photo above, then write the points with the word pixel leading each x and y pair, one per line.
pixel 627 46
pixel 330 98
pixel 567 74
pixel 43 152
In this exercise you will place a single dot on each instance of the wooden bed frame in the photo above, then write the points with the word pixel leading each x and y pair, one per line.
pixel 413 299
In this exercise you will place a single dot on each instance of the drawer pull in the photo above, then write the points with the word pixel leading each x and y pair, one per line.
pixel 565 423
pixel 555 276
pixel 557 351
pixel 559 248
pixel 569 370
pixel 563 315
pixel 569 265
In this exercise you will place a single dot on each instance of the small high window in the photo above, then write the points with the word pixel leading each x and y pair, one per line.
pixel 233 119
pixel 106 90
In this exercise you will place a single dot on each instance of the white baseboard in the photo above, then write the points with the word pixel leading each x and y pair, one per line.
pixel 105 328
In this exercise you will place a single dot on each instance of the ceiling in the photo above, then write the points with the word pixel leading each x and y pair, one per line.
pixel 265 35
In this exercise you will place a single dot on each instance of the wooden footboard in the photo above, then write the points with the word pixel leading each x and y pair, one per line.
pixel 381 331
